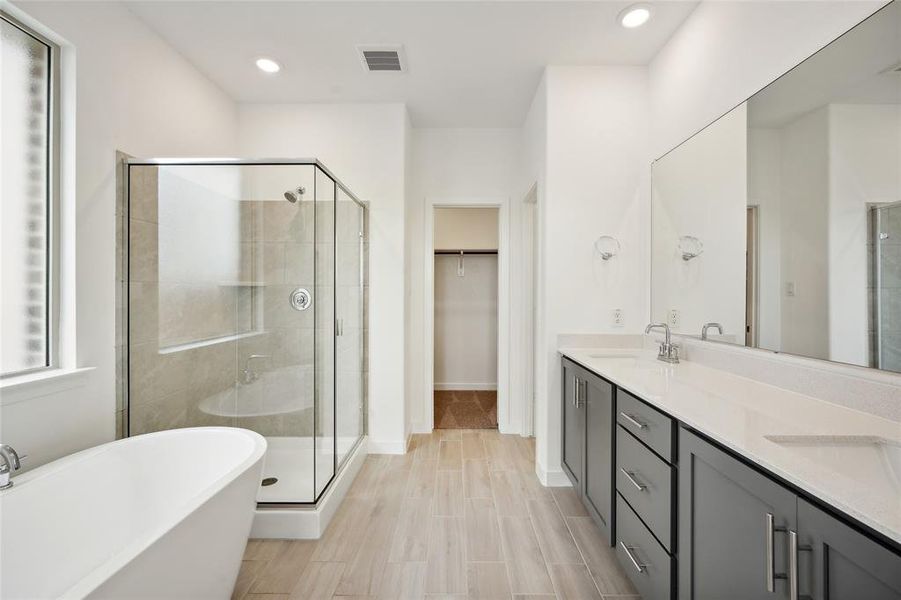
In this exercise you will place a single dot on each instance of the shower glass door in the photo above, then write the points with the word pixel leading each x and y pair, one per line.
pixel 349 249
pixel 888 286
pixel 324 430
pixel 231 310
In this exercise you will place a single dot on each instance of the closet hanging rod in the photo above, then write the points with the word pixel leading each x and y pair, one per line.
pixel 465 252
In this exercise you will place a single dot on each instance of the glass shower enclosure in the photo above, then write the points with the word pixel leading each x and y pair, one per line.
pixel 245 308
pixel 886 257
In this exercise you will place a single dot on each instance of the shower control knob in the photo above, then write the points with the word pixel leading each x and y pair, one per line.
pixel 300 299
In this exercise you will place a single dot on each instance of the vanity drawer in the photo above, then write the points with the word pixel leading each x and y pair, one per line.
pixel 646 483
pixel 645 562
pixel 647 424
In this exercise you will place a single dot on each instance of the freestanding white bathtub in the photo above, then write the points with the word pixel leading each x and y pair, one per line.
pixel 162 515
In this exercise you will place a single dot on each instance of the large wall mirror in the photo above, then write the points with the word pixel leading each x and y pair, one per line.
pixel 781 221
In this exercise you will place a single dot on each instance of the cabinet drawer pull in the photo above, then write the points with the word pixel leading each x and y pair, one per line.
pixel 640 487
pixel 639 566
pixel 633 421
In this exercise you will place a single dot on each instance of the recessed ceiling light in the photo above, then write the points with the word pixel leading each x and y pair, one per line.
pixel 635 16
pixel 267 65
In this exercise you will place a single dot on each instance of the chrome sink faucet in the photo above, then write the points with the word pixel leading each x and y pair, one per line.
pixel 708 326
pixel 668 352
pixel 9 462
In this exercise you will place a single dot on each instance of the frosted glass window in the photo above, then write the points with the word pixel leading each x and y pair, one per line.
pixel 25 160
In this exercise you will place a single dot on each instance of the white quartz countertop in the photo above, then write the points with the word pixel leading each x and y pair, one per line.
pixel 853 463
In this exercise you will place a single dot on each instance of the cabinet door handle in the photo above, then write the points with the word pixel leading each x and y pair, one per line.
pixel 640 487
pixel 633 421
pixel 575 394
pixel 771 575
pixel 580 392
pixel 639 566
pixel 793 565
pixel 793 549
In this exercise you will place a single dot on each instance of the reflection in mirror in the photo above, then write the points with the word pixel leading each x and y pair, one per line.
pixel 799 212
pixel 699 200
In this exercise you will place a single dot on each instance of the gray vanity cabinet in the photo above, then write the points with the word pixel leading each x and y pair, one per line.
pixel 733 527
pixel 573 426
pixel 836 562
pixel 598 480
pixel 736 528
pixel 587 444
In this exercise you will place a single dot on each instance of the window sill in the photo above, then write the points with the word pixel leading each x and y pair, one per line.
pixel 43 383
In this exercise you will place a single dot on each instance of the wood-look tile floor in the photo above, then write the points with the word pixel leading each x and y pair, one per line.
pixel 462 515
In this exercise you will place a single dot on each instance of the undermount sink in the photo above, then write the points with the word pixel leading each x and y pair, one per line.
pixel 610 355
pixel 865 458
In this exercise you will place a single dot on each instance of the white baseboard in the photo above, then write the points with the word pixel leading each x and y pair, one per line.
pixel 309 523
pixel 387 446
pixel 555 478
pixel 465 387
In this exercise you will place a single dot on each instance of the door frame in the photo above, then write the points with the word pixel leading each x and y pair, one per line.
pixel 504 408
pixel 752 276
pixel 529 291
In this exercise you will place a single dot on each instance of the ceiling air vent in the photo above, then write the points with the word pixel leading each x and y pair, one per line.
pixel 384 57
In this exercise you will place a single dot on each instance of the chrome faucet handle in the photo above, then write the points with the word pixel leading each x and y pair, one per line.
pixel 11 461
pixel 708 326
pixel 10 457
pixel 667 352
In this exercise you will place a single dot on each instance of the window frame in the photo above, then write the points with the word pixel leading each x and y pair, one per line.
pixel 53 162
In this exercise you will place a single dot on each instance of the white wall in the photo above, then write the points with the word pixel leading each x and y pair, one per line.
pixel 364 146
pixel 465 229
pixel 804 231
pixel 466 323
pixel 726 51
pixel 700 190
pixel 128 91
pixel 764 191
pixel 596 182
pixel 449 164
pixel 864 163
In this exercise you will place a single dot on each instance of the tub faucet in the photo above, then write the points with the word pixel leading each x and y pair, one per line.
pixel 249 374
pixel 9 462
pixel 668 352
pixel 708 326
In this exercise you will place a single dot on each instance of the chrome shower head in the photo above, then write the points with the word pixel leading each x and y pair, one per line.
pixel 294 195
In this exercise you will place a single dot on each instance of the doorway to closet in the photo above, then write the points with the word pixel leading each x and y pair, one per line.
pixel 465 318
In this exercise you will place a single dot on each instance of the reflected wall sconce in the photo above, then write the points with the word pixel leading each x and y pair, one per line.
pixel 607 246
pixel 690 247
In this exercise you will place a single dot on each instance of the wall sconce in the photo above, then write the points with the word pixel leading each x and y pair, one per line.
pixel 690 247
pixel 607 246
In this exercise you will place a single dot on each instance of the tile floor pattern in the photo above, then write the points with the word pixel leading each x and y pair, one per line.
pixel 455 409
pixel 462 515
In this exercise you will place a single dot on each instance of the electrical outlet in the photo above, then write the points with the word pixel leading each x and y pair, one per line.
pixel 673 319
pixel 617 319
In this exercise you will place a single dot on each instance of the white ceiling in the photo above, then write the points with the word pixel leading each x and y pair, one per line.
pixel 849 70
pixel 470 64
